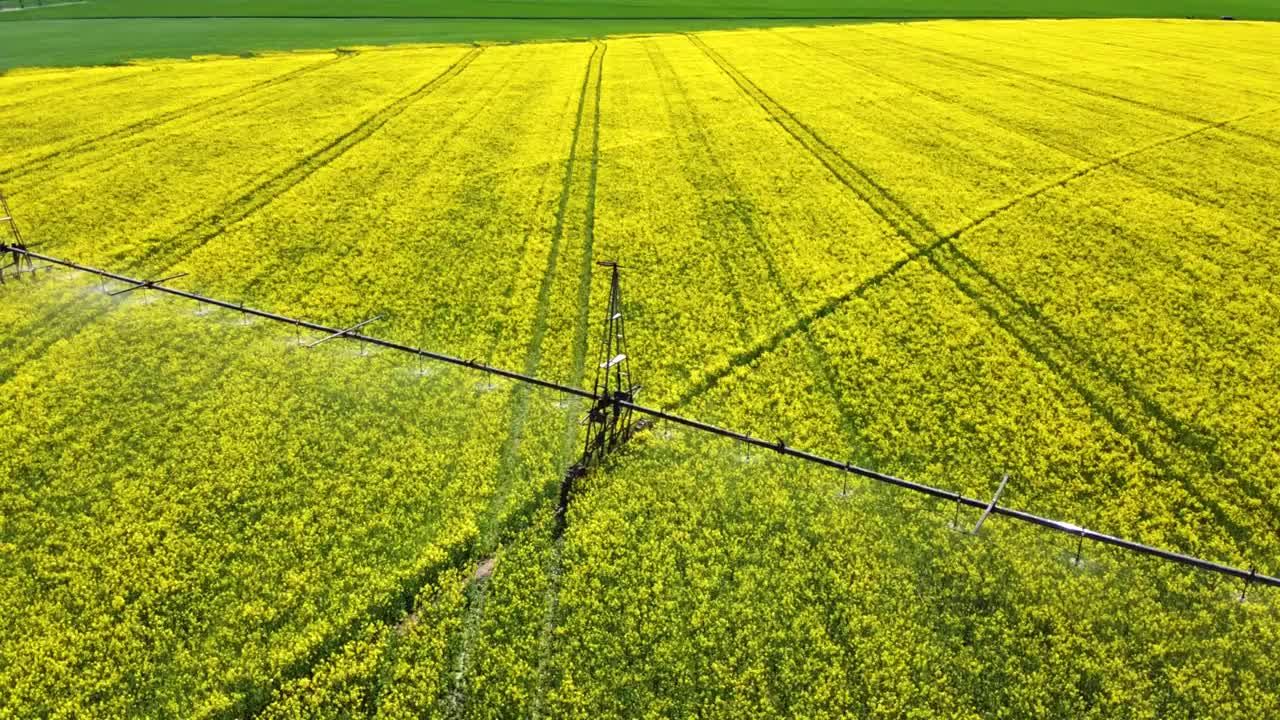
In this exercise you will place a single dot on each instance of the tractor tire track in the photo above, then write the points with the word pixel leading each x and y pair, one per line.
pixel 255 697
pixel 914 228
pixel 819 361
pixel 1164 73
pixel 1237 62
pixel 588 239
pixel 253 693
pixel 516 260
pixel 1068 151
pixel 32 346
pixel 533 350
pixel 727 273
pixel 1085 89
pixel 551 619
pixel 264 193
pixel 937 97
pixel 594 63
pixel 508 293
pixel 81 161
pixel 1174 445
pixel 44 96
pixel 949 60
pixel 24 346
pixel 133 129
pixel 262 272
pixel 753 354
pixel 456 702
pixel 569 440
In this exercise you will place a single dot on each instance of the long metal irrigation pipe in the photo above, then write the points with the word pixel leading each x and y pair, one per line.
pixel 1064 527
pixel 1249 576
pixel 304 324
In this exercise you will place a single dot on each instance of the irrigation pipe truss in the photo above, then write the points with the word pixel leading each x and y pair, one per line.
pixel 1249 576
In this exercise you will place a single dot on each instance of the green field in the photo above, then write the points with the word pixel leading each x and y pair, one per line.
pixel 107 31
pixel 106 42
pixel 661 8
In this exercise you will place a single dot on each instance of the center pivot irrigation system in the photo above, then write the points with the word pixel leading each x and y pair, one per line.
pixel 609 420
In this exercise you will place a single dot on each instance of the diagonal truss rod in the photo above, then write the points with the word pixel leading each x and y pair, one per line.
pixel 992 505
pixel 20 270
pixel 344 333
pixel 6 216
pixel 18 244
pixel 147 284
pixel 1251 576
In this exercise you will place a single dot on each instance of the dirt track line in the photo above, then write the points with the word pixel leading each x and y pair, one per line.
pixel 533 351
pixel 533 354
pixel 948 59
pixel 728 276
pixel 1147 179
pixel 913 227
pixel 1093 92
pixel 490 525
pixel 1078 155
pixel 1164 54
pixel 1178 444
pixel 27 348
pixel 457 698
pixel 819 360
pixel 1164 73
pixel 509 291
pixel 143 138
pixel 1059 82
pixel 1068 178
pixel 568 442
pixel 32 350
pixel 802 324
pixel 256 696
pixel 76 152
pixel 938 97
pixel 40 97
pixel 1239 62
pixel 588 238
pixel 555 567
pixel 266 192
pixel 261 273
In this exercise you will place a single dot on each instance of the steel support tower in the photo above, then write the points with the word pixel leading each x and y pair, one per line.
pixel 608 422
pixel 15 246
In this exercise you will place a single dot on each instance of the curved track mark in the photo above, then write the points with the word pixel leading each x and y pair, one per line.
pixel 1094 92
pixel 510 459
pixel 247 204
pixel 266 192
pixel 1172 448
pixel 741 214
pixel 75 152
pixel 1074 153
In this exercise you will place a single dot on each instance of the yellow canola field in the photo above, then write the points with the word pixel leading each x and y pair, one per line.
pixel 949 250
